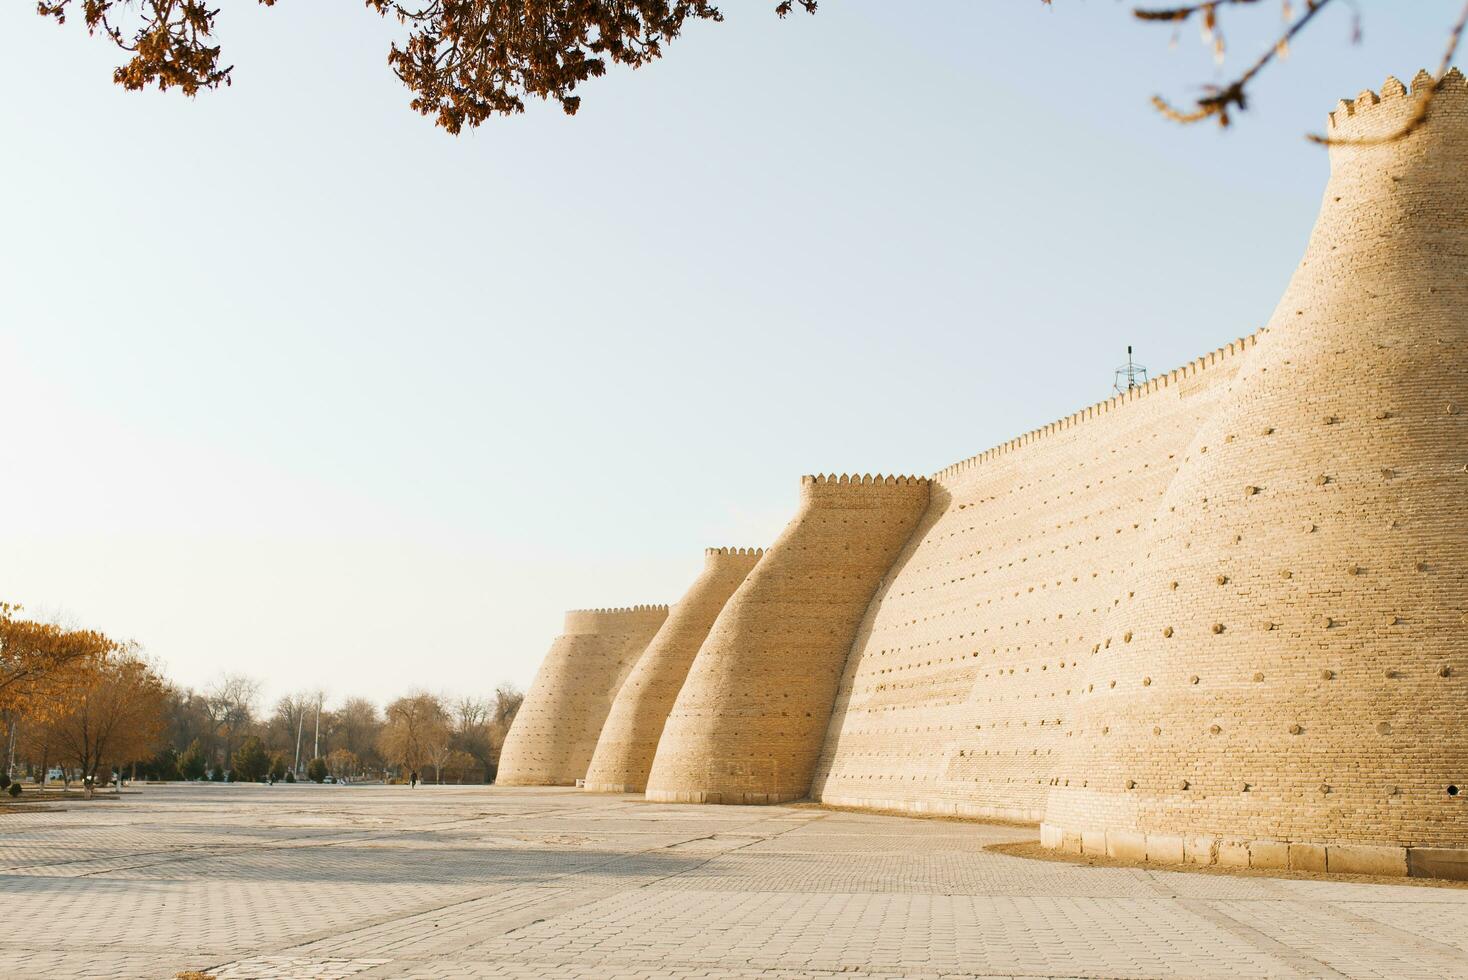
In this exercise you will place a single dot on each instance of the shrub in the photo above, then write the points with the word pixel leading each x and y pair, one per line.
pixel 216 776
pixel 4 780
pixel 316 771
pixel 192 764
pixel 251 761
pixel 164 765
pixel 14 790
pixel 290 777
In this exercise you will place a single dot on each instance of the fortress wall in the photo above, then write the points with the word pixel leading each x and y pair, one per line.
pixel 552 737
pixel 964 677
pixel 629 739
pixel 748 723
pixel 1219 618
pixel 1288 665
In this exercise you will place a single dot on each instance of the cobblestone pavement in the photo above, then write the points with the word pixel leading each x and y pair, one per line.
pixel 306 881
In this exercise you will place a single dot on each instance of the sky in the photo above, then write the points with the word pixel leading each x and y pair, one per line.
pixel 296 385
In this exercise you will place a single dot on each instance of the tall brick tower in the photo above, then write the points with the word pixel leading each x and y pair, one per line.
pixel 629 739
pixel 1286 670
pixel 554 734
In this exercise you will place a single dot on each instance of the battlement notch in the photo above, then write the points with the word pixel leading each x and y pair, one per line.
pixel 713 553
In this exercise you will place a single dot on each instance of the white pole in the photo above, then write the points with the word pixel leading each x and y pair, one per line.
pixel 300 725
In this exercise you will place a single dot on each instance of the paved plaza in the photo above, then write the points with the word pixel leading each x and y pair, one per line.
pixel 308 881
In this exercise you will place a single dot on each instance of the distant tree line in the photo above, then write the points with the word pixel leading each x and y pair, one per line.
pixel 82 707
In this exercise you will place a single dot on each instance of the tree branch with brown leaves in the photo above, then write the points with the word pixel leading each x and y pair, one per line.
pixel 169 40
pixel 42 664
pixel 1218 99
pixel 463 60
pixel 468 60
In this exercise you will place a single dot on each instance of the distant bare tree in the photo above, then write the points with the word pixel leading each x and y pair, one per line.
pixel 231 701
pixel 470 713
pixel 507 701
pixel 471 720
pixel 356 726
pixel 291 712
pixel 439 746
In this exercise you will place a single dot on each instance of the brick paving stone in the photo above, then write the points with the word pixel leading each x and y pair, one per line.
pixel 295 882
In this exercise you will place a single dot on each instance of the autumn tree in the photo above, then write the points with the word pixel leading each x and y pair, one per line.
pixel 467 60
pixel 417 730
pixel 342 763
pixel 42 664
pixel 115 718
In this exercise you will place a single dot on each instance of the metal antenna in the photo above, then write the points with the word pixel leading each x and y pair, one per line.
pixel 1129 375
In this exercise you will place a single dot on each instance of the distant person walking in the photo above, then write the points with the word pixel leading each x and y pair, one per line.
pixel 413 779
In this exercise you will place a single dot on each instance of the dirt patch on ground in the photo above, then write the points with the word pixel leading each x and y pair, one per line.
pixel 1038 852
pixel 1032 828
pixel 33 800
pixel 28 808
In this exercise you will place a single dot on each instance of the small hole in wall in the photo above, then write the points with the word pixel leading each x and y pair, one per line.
pixel 1452 791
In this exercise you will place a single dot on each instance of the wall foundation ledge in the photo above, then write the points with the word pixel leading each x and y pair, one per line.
pixel 1438 862
pixel 1387 861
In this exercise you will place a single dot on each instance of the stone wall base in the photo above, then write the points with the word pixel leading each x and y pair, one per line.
pixel 1360 859
pixel 728 798
pixel 609 787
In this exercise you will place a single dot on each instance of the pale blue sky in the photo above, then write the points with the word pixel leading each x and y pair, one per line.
pixel 295 384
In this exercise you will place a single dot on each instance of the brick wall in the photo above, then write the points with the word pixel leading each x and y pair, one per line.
pixel 963 682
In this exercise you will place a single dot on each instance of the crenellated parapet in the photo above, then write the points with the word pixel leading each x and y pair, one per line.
pixel 855 487
pixel 1371 116
pixel 712 554
pixel 1226 356
pixel 861 480
pixel 621 618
